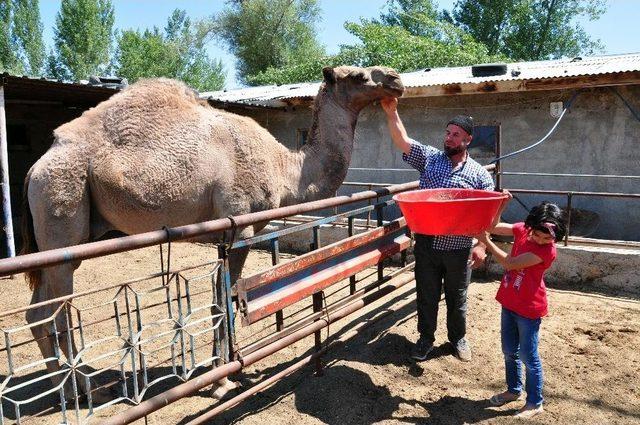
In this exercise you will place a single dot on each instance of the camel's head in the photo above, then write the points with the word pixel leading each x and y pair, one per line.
pixel 359 87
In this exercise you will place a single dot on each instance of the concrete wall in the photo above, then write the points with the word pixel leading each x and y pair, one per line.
pixel 598 135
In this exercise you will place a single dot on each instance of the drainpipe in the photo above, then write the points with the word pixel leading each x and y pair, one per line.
pixel 4 169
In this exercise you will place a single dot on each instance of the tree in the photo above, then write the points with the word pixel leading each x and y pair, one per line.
pixel 21 45
pixel 178 53
pixel 392 46
pixel 268 33
pixel 83 36
pixel 8 58
pixel 409 14
pixel 530 29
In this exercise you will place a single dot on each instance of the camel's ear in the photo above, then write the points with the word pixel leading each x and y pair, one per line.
pixel 329 74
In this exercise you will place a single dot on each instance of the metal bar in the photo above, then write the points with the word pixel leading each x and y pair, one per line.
pixel 275 260
pixel 317 307
pixel 380 219
pixel 316 237
pixel 566 192
pixel 225 297
pixel 314 316
pixel 604 176
pixel 180 391
pixel 369 186
pixel 498 155
pixel 381 169
pixel 206 417
pixel 305 225
pixel 352 279
pixel 54 257
pixel 566 236
pixel 267 299
pixel 327 252
pixel 6 191
pixel 366 184
pixel 93 291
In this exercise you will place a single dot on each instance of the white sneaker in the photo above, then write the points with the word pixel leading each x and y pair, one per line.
pixel 528 411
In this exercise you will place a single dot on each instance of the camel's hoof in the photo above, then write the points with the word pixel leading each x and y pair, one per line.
pixel 222 389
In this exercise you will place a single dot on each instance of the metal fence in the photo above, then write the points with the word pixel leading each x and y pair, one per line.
pixel 125 342
pixel 125 339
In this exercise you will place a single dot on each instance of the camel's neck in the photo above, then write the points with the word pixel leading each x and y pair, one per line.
pixel 320 167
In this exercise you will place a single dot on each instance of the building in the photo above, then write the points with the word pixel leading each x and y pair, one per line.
pixel 32 109
pixel 593 148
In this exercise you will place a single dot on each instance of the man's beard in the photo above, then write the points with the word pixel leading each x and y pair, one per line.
pixel 453 151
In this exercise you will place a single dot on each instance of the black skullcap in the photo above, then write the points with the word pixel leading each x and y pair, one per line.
pixel 465 122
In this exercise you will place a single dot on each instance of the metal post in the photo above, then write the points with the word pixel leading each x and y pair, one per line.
pixel 566 237
pixel 369 203
pixel 6 192
pixel 317 307
pixel 316 237
pixel 224 288
pixel 352 279
pixel 380 220
pixel 275 259
pixel 498 169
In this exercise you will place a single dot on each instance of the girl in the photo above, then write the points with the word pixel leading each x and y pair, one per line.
pixel 523 297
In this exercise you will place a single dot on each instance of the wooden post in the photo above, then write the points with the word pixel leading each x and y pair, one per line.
pixel 6 192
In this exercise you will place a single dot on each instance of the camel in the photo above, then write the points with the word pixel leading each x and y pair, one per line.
pixel 155 155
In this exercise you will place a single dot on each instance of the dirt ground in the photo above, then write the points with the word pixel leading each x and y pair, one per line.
pixel 589 348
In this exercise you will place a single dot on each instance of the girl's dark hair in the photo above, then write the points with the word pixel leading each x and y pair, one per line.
pixel 550 213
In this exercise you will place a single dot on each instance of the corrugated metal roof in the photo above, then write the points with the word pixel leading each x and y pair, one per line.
pixel 275 96
pixel 264 95
pixel 527 70
pixel 103 82
pixel 81 94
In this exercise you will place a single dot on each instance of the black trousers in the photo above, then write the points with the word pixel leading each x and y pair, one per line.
pixel 433 269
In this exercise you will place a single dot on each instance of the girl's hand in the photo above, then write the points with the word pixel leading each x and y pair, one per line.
pixel 506 200
pixel 482 237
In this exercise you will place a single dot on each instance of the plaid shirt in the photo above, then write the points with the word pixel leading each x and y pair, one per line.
pixel 436 171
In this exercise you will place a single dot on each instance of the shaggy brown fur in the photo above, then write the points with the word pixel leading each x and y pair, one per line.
pixel 154 155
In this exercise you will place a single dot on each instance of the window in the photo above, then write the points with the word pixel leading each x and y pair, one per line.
pixel 485 144
pixel 17 139
pixel 302 135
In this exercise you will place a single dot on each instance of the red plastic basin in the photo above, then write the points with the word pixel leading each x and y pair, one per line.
pixel 449 211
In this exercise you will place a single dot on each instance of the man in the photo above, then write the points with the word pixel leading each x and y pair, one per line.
pixel 442 259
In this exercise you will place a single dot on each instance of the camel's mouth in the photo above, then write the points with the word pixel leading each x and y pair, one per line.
pixel 393 85
pixel 395 91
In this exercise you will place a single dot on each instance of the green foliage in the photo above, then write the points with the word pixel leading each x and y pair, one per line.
pixel 392 46
pixel 8 57
pixel 268 33
pixel 178 53
pixel 530 29
pixel 410 15
pixel 21 45
pixel 83 36
pixel 396 47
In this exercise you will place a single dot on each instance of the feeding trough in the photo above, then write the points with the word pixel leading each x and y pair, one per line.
pixel 449 211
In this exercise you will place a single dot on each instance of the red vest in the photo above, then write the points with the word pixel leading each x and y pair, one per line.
pixel 523 291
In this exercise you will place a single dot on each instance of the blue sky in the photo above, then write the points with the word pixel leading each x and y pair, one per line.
pixel 618 29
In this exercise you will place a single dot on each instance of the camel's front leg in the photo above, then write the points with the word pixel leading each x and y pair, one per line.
pixel 53 330
pixel 237 258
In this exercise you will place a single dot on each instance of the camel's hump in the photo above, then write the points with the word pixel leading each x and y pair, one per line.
pixel 151 111
pixel 155 93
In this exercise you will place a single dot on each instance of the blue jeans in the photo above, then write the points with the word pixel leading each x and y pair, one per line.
pixel 520 338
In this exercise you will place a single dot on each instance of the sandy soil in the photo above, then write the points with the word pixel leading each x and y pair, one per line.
pixel 589 348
